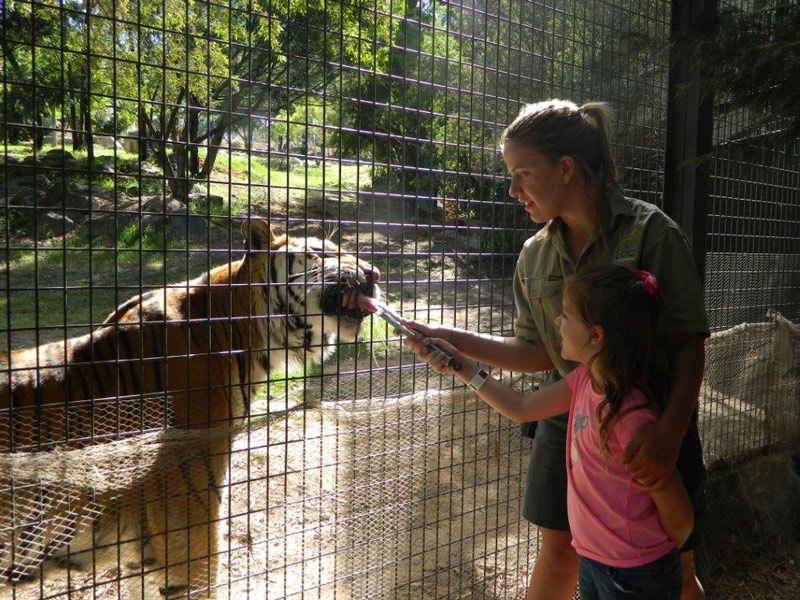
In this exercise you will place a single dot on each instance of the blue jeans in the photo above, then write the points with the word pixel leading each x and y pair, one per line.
pixel 661 579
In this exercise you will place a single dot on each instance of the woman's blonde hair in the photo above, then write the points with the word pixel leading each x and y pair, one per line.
pixel 559 128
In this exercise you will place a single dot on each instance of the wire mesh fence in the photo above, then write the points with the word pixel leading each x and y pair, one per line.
pixel 229 434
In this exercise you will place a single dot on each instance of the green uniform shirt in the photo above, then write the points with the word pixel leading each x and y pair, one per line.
pixel 640 236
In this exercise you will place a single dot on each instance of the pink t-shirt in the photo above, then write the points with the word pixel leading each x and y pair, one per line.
pixel 612 520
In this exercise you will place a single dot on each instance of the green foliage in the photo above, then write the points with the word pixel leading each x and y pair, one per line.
pixel 750 60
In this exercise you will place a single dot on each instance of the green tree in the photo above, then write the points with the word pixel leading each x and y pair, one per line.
pixel 32 90
pixel 750 60
pixel 226 67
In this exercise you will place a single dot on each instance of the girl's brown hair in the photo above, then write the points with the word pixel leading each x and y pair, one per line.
pixel 559 128
pixel 628 308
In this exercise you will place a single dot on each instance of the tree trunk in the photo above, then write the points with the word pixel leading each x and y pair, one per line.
pixel 141 143
pixel 194 126
pixel 87 122
pixel 176 177
pixel 38 130
pixel 79 140
pixel 74 125
pixel 213 147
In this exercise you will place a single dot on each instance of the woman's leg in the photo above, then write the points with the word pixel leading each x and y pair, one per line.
pixel 692 588
pixel 555 571
pixel 693 472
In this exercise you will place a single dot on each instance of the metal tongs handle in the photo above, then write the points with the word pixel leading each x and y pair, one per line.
pixel 393 318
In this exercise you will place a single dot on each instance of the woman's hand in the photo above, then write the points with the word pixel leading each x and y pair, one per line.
pixel 424 330
pixel 421 346
pixel 651 454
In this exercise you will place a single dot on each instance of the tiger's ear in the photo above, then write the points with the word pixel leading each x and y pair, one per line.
pixel 259 235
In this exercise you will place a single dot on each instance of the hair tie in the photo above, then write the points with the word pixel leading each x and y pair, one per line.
pixel 650 284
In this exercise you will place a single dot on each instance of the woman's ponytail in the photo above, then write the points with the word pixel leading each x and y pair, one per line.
pixel 599 115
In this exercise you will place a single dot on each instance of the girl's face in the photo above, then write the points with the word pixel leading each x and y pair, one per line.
pixel 536 181
pixel 579 341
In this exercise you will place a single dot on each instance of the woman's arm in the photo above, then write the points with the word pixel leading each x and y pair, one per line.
pixel 548 401
pixel 674 509
pixel 511 353
pixel 651 454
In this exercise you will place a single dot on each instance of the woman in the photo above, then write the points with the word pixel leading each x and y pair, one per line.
pixel 562 171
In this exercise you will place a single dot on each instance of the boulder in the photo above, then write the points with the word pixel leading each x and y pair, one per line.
pixel 102 223
pixel 10 159
pixel 149 169
pixel 51 223
pixel 176 215
pixel 130 143
pixel 106 141
pixel 35 179
pixel 59 158
pixel 24 196
pixel 63 194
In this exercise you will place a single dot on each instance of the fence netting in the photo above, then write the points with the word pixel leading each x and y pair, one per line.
pixel 139 138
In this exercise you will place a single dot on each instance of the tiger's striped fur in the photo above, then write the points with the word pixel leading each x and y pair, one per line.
pixel 187 356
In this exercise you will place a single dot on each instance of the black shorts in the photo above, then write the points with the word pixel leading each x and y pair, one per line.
pixel 545 502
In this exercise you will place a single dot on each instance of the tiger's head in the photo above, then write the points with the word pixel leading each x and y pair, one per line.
pixel 310 288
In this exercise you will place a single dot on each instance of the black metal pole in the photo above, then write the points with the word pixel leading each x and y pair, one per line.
pixel 689 130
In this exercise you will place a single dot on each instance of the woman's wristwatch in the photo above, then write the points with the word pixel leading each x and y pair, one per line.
pixel 478 380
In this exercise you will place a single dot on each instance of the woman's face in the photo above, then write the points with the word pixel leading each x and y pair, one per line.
pixel 536 181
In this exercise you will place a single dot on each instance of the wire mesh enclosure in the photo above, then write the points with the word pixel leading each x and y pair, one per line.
pixel 197 195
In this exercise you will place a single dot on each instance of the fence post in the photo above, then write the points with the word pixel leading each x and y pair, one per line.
pixel 689 131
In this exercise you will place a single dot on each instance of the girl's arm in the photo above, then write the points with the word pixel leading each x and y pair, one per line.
pixel 510 353
pixel 674 509
pixel 549 401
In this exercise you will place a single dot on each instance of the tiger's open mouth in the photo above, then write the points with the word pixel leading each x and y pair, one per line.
pixel 349 299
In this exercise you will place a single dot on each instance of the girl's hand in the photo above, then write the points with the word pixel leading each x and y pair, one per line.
pixel 420 345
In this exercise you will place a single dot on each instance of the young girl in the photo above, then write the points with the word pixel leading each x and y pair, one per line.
pixel 626 537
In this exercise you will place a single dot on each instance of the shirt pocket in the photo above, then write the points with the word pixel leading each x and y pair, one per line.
pixel 545 301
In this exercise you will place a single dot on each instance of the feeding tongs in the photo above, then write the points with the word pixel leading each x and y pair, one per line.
pixel 392 317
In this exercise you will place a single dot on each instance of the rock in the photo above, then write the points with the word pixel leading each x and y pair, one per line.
pixel 190 224
pixel 38 180
pixel 52 223
pixel 202 200
pixel 130 143
pixel 103 223
pixel 105 169
pixel 148 169
pixel 58 195
pixel 10 159
pixel 106 141
pixel 59 158
pixel 24 196
pixel 161 205
pixel 180 219
pixel 30 161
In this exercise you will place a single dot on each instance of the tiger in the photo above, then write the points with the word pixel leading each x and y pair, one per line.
pixel 203 347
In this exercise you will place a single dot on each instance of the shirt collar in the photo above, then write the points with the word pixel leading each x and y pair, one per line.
pixel 618 206
pixel 617 203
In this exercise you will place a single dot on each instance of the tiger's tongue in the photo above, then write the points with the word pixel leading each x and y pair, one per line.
pixel 365 303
